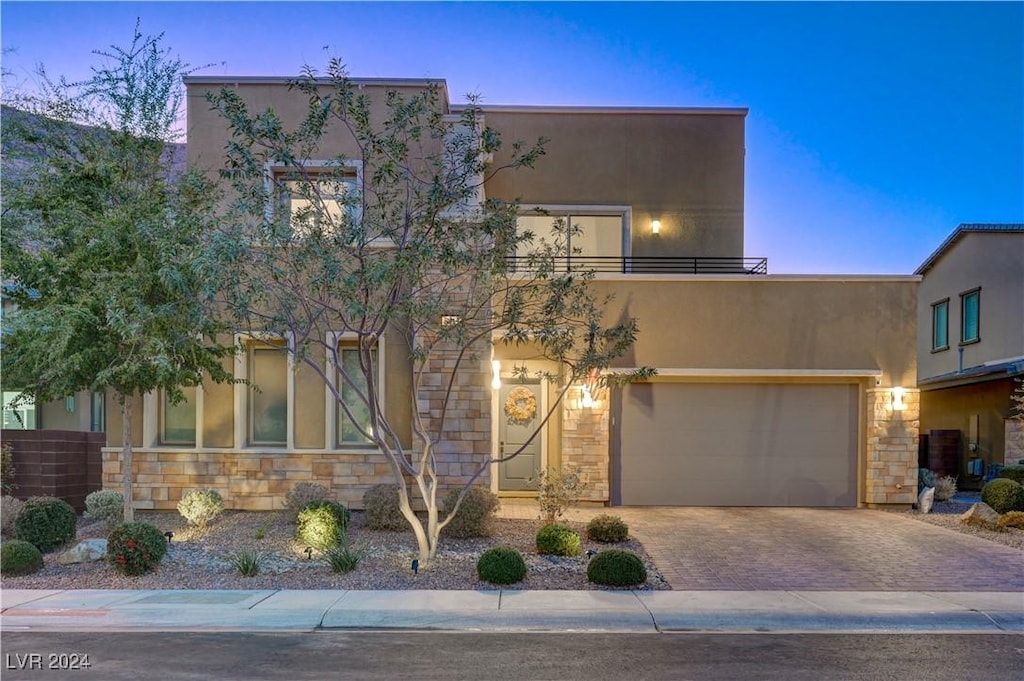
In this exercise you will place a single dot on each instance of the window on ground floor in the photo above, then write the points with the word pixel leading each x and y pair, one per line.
pixel 19 411
pixel 353 412
pixel 178 421
pixel 268 393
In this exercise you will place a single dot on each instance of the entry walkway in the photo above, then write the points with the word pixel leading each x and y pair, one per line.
pixel 510 610
pixel 780 549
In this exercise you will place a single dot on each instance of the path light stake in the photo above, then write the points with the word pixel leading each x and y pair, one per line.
pixel 169 535
pixel 591 553
pixel 415 566
pixel 309 553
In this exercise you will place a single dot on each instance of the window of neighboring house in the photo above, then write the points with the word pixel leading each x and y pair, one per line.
pixel 97 412
pixel 178 421
pixel 352 425
pixel 321 197
pixel 970 320
pixel 940 325
pixel 593 239
pixel 19 411
pixel 267 394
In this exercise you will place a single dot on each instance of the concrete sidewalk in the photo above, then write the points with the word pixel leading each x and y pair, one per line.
pixel 511 610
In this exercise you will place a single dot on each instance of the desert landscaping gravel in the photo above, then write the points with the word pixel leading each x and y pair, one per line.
pixel 201 560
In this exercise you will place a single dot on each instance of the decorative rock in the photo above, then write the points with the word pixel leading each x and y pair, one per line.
pixel 87 551
pixel 926 499
pixel 981 514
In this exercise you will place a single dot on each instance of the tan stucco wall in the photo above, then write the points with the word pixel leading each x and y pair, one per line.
pixel 55 415
pixel 995 262
pixel 682 168
pixel 771 323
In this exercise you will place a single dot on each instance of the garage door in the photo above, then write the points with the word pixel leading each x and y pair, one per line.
pixel 694 444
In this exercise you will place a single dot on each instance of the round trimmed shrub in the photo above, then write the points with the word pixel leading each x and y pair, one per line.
pixel 302 495
pixel 106 505
pixel 135 548
pixel 1002 494
pixel 1014 472
pixel 381 510
pixel 1012 519
pixel 558 540
pixel 19 557
pixel 321 525
pixel 200 506
pixel 476 513
pixel 46 522
pixel 607 528
pixel 501 565
pixel 614 567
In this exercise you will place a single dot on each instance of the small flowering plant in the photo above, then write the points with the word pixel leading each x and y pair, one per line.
pixel 135 548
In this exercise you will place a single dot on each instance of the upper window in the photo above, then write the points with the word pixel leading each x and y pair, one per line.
pixel 940 325
pixel 592 237
pixel 318 198
pixel 354 427
pixel 268 394
pixel 970 316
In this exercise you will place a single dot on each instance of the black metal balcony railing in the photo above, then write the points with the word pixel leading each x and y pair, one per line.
pixel 659 264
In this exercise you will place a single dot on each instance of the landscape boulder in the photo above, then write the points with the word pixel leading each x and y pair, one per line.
pixel 981 514
pixel 85 551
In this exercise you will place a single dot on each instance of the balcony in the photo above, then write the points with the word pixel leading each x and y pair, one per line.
pixel 659 264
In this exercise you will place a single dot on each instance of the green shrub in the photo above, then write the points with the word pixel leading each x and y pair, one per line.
pixel 345 557
pixel 200 506
pixel 135 548
pixel 318 527
pixel 614 567
pixel 925 478
pixel 341 514
pixel 1014 472
pixel 1012 519
pixel 46 522
pixel 7 484
pixel 558 540
pixel 381 510
pixel 476 513
pixel 501 565
pixel 247 561
pixel 10 507
pixel 19 557
pixel 302 495
pixel 1003 495
pixel 106 505
pixel 607 528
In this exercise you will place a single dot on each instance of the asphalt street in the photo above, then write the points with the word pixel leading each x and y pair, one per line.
pixel 430 656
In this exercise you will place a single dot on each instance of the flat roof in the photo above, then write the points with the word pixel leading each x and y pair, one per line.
pixel 959 232
pixel 541 109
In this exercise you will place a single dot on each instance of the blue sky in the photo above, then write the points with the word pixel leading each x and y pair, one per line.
pixel 874 128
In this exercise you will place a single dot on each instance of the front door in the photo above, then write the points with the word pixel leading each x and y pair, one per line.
pixel 519 416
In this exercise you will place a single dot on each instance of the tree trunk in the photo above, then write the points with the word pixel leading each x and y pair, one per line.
pixel 126 456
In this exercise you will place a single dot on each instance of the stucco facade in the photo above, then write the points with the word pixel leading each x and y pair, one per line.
pixel 630 168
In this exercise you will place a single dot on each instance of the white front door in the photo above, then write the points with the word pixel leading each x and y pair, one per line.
pixel 520 413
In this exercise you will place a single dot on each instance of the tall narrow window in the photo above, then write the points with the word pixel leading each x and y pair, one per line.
pixel 970 320
pixel 178 421
pixel 354 427
pixel 940 325
pixel 268 395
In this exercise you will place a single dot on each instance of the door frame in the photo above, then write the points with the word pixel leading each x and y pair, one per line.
pixel 496 414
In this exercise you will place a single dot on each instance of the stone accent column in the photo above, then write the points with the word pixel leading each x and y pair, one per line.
pixel 585 443
pixel 891 457
pixel 1014 447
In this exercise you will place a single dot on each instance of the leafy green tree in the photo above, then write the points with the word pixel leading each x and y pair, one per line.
pixel 309 252
pixel 101 240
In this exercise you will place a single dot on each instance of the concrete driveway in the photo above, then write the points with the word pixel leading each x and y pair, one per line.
pixel 805 549
pixel 818 549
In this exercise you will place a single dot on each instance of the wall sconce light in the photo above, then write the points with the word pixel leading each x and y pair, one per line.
pixel 586 399
pixel 896 395
pixel 495 374
pixel 655 226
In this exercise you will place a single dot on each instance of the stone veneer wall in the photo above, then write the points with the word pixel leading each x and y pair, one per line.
pixel 891 475
pixel 1014 443
pixel 585 443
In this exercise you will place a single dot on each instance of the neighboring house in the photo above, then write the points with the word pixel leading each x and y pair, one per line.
pixel 772 390
pixel 970 348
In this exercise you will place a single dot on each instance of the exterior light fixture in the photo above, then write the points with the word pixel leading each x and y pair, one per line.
pixel 896 394
pixel 587 401
pixel 495 374
pixel 655 226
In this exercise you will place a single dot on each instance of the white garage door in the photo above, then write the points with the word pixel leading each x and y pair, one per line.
pixel 723 444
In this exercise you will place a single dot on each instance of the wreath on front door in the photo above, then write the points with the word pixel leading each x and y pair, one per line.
pixel 520 406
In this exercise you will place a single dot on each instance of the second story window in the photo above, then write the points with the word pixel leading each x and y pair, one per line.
pixel 940 325
pixel 595 238
pixel 970 316
pixel 320 197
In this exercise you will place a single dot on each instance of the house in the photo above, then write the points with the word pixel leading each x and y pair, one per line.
pixel 772 390
pixel 970 349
